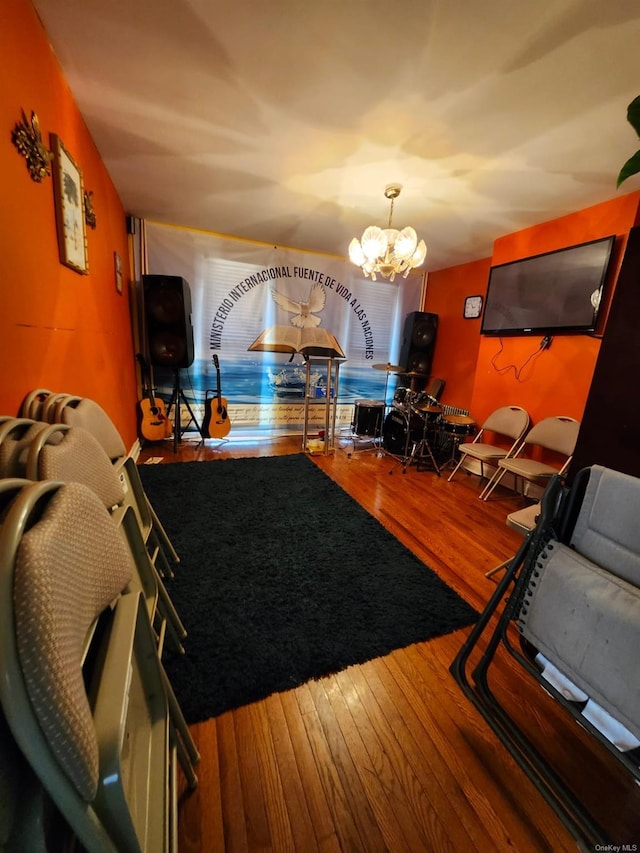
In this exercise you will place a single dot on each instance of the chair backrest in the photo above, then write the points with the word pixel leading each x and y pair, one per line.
pixel 512 421
pixel 32 403
pixel 72 454
pixel 86 413
pixel 558 433
pixel 16 435
pixel 54 586
pixel 435 388
pixel 70 630
pixel 606 530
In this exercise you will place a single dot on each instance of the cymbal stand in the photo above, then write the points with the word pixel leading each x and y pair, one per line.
pixel 388 369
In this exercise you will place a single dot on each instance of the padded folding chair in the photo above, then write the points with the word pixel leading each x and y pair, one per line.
pixel 87 413
pixel 524 521
pixel 558 434
pixel 508 421
pixel 572 594
pixel 16 435
pixel 71 454
pixel 32 403
pixel 80 682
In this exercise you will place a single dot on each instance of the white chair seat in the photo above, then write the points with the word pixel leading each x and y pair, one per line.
pixel 483 451
pixel 532 469
pixel 524 520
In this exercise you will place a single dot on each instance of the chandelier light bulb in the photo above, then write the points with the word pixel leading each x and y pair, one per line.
pixel 387 251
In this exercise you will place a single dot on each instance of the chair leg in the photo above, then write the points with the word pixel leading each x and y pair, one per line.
pixel 493 482
pixel 162 534
pixel 496 569
pixel 187 751
pixel 452 474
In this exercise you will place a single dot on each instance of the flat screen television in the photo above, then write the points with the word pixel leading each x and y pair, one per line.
pixel 554 293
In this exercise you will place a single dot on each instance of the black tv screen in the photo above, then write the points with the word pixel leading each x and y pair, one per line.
pixel 558 292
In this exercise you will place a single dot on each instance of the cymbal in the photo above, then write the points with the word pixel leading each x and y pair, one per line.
pixel 431 409
pixel 390 368
pixel 413 373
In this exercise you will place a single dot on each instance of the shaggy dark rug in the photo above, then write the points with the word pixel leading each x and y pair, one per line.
pixel 283 578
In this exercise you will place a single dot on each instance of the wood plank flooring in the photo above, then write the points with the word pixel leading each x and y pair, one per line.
pixel 389 755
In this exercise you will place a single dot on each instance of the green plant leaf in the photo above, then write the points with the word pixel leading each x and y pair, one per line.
pixel 633 114
pixel 631 167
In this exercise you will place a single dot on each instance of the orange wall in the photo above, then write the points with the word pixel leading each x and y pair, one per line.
pixel 58 329
pixel 456 352
pixel 72 333
pixel 555 381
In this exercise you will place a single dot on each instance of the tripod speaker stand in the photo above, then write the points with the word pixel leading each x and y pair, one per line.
pixel 178 398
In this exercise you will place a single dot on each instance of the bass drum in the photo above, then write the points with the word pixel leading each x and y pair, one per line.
pixel 397 426
pixel 367 417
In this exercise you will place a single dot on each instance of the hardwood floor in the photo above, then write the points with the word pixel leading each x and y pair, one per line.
pixel 390 755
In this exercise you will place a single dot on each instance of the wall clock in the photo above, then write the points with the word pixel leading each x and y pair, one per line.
pixel 472 307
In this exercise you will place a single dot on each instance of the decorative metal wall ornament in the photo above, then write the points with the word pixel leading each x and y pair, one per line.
pixel 27 138
pixel 89 212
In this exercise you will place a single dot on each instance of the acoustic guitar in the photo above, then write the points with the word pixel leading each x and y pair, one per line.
pixel 216 423
pixel 153 424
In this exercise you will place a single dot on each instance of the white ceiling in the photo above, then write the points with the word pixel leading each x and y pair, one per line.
pixel 283 120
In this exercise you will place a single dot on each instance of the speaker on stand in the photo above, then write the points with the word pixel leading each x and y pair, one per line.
pixel 169 337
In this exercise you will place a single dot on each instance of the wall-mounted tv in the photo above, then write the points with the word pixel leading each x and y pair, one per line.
pixel 555 293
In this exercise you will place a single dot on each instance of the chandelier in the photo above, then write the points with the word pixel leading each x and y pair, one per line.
pixel 387 251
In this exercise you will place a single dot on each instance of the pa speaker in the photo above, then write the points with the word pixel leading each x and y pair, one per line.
pixel 418 342
pixel 167 315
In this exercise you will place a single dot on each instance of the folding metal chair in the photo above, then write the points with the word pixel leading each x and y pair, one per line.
pixel 573 594
pixel 558 434
pixel 71 454
pixel 510 422
pixel 86 413
pixel 80 682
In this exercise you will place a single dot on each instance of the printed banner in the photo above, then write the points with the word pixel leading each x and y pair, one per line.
pixel 263 311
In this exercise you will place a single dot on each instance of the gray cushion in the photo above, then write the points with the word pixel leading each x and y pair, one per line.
pixel 586 621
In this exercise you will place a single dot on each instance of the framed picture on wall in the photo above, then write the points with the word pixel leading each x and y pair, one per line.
pixel 69 206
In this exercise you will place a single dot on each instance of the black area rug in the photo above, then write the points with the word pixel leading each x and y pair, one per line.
pixel 283 578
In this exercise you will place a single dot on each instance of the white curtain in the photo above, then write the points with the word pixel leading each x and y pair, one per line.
pixel 234 292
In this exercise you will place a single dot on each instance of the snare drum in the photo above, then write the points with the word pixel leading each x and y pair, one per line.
pixel 367 417
pixel 458 425
pixel 399 431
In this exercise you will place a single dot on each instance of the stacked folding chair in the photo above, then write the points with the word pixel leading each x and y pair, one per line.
pixel 568 611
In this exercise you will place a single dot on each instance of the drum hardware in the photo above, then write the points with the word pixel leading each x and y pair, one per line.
pixel 455 428
pixel 405 436
pixel 424 454
pixel 402 398
pixel 388 368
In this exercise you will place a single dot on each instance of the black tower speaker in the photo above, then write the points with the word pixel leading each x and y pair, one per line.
pixel 418 342
pixel 167 316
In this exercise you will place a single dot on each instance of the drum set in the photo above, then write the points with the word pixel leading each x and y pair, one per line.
pixel 414 427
